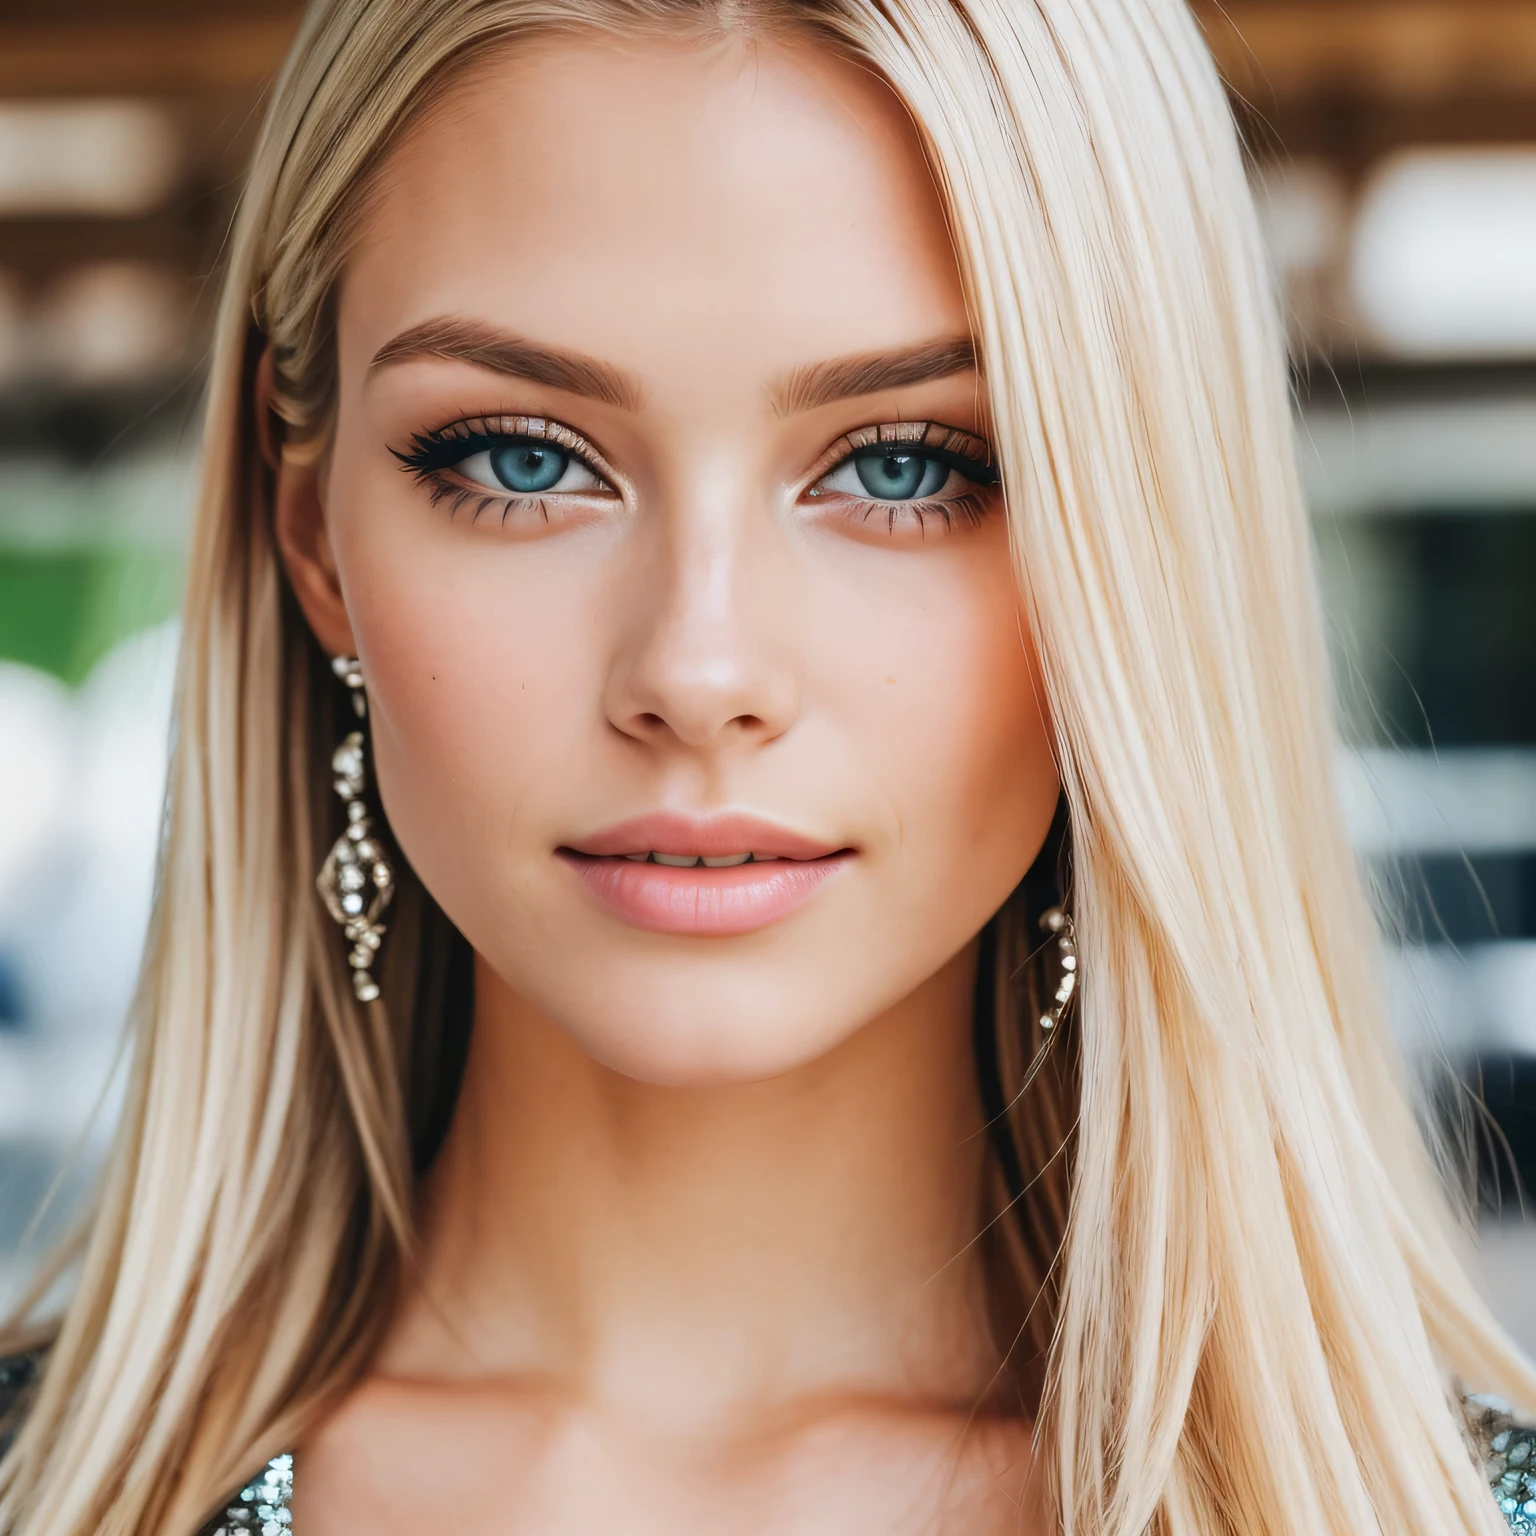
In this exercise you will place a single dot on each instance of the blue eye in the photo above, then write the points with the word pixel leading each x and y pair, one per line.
pixel 907 475
pixel 528 468
pixel 892 474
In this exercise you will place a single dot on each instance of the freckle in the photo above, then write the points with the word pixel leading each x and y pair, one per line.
pixel 890 679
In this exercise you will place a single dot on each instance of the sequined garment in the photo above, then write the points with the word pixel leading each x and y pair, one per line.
pixel 262 1505
pixel 1509 1459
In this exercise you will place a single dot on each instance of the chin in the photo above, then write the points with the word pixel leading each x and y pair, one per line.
pixel 706 1013
pixel 669 1045
pixel 696 1025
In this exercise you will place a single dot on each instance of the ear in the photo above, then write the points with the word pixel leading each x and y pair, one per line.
pixel 305 545
pixel 298 516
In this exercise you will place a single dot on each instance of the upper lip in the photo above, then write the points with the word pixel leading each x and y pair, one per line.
pixel 708 837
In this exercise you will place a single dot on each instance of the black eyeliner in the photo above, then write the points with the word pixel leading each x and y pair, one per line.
pixel 442 449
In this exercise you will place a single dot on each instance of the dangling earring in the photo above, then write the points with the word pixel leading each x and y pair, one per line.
pixel 1058 923
pixel 356 882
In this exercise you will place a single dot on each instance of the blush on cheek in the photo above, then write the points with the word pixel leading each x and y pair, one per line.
pixel 952 694
pixel 474 669
pixel 461 737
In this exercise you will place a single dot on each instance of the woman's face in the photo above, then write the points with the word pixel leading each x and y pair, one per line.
pixel 661 513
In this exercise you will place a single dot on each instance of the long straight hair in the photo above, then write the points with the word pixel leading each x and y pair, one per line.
pixel 1252 1288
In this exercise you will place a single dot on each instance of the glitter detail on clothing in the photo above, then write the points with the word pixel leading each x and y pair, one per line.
pixel 263 1504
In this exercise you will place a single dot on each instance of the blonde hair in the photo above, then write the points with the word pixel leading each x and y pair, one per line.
pixel 1256 1310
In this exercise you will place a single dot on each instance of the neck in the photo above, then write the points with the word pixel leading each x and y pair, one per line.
pixel 729 1248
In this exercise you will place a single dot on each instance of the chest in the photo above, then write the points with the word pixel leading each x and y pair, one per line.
pixel 512 1475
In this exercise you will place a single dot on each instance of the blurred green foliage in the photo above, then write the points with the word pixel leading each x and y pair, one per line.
pixel 63 609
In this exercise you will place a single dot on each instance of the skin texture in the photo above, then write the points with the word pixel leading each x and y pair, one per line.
pixel 700 1251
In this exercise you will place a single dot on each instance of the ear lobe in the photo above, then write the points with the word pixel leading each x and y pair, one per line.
pixel 305 545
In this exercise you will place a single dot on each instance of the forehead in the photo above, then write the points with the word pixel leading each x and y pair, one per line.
pixel 607 194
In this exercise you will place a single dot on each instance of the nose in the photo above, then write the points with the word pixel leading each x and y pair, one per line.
pixel 705 659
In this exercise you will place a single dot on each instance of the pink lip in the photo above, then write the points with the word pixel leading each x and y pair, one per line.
pixel 716 902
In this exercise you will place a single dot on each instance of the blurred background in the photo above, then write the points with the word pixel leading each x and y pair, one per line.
pixel 1394 151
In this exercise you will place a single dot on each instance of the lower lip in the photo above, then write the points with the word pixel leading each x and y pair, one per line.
pixel 714 902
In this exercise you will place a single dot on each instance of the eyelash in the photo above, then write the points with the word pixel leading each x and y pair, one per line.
pixel 431 454
pixel 961 451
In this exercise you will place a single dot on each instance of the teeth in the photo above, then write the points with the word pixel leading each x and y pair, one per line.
pixel 692 860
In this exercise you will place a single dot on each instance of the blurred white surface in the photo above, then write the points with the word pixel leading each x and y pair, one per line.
pixel 1463 801
pixel 1464 1002
pixel 141 502
pixel 37 727
pixel 1475 455
pixel 82 781
pixel 1444 260
pixel 1508 1253
pixel 108 322
pixel 107 158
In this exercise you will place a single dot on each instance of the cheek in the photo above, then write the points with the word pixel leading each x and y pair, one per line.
pixel 956 739
pixel 479 687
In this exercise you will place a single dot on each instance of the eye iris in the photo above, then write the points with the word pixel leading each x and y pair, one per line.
pixel 895 476
pixel 528 467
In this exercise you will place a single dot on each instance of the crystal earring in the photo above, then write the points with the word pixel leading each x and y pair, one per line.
pixel 357 881
pixel 1057 922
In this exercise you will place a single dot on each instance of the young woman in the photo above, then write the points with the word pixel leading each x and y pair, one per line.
pixel 752 547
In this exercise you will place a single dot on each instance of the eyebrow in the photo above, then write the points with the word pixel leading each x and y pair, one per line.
pixel 473 341
pixel 806 388
pixel 867 373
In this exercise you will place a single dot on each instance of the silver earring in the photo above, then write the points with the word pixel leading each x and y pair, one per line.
pixel 1058 923
pixel 357 881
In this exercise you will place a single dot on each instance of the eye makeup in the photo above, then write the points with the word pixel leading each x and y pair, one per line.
pixel 909 475
pixel 514 464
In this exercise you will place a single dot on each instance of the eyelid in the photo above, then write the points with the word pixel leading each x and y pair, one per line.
pixel 924 434
pixel 541 428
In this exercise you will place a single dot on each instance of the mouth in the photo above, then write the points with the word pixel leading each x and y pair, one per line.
pixel 699 860
pixel 714 876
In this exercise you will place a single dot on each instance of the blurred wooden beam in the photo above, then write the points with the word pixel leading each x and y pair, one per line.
pixel 1271 51
pixel 143 58
pixel 185 239
pixel 1276 52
